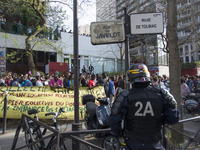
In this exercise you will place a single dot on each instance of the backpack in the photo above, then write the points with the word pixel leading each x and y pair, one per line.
pixel 118 92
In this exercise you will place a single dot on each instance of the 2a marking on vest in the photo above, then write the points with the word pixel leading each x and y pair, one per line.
pixel 148 109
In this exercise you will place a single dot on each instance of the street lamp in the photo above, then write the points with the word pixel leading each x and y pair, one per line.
pixel 154 56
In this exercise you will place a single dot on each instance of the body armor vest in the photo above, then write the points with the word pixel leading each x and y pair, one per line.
pixel 143 119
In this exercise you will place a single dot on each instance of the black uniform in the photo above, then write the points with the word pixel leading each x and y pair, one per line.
pixel 145 109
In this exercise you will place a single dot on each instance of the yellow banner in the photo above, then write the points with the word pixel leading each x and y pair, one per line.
pixel 22 99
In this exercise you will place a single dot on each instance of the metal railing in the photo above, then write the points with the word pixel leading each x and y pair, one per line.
pixel 191 138
pixel 61 136
pixel 75 135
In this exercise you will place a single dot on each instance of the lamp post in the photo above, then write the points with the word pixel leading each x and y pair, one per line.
pixel 154 56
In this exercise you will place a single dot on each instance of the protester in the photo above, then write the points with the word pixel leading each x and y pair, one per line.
pixel 8 79
pixel 14 82
pixel 39 81
pixel 190 85
pixel 70 81
pixel 56 82
pixel 155 81
pixel 26 81
pixel 91 69
pixel 46 80
pixel 2 82
pixel 91 82
pixel 120 88
pixel 103 81
pixel 83 70
pixel 3 23
pixel 111 89
pixel 184 90
pixel 83 81
pixel 19 27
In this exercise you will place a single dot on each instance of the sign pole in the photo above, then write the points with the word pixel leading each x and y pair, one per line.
pixel 76 125
pixel 126 47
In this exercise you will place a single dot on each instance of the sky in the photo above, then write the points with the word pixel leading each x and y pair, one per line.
pixel 85 16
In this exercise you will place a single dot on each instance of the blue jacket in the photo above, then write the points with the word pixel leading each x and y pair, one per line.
pixel 111 88
pixel 27 83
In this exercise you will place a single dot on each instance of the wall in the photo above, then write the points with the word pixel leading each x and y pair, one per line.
pixel 190 71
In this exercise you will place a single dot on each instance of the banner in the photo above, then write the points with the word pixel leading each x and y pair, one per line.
pixel 44 99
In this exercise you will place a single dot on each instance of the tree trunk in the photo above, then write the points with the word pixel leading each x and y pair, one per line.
pixel 174 61
pixel 31 64
pixel 29 49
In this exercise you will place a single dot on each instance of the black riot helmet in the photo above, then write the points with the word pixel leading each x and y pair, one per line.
pixel 138 73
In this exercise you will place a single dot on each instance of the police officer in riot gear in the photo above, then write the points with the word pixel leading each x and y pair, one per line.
pixel 144 109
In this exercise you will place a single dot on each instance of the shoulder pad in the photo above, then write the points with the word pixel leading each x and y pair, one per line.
pixel 154 88
pixel 119 102
pixel 169 98
pixel 124 93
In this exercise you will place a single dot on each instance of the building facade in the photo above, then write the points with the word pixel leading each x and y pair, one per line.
pixel 148 49
pixel 189 29
pixel 104 58
pixel 105 10
pixel 84 30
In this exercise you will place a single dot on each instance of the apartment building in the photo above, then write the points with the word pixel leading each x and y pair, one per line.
pixel 189 29
pixel 147 49
pixel 105 10
pixel 84 30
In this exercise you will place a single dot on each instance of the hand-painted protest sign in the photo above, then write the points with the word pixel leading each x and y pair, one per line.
pixel 22 99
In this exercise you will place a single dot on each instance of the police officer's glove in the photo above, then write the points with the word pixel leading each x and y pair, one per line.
pixel 169 98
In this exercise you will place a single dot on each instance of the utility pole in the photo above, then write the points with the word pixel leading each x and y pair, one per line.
pixel 76 125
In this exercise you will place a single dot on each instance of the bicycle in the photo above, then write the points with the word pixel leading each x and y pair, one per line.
pixel 33 133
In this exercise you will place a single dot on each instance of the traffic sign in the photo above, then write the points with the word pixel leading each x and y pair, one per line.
pixel 107 32
pixel 147 23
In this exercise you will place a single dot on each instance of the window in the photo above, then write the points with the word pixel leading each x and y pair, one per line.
pixel 40 57
pixel 187 32
pixel 187 59
pixel 181 51
pixel 186 50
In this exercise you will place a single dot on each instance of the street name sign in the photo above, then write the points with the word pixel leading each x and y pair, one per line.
pixel 147 23
pixel 107 32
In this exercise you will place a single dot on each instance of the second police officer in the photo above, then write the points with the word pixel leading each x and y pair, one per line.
pixel 144 109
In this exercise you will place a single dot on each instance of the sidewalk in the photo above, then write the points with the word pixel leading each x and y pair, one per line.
pixel 6 139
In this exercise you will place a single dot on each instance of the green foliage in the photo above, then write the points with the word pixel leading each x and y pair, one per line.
pixel 6 36
pixel 25 11
pixel 12 57
pixel 191 65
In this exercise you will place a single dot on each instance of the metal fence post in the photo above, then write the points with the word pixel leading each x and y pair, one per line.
pixel 5 111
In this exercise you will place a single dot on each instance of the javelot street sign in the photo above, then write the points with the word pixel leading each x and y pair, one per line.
pixel 147 23
pixel 107 32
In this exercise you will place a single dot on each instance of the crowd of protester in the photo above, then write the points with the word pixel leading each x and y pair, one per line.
pixel 113 85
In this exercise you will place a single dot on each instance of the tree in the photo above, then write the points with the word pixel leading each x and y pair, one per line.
pixel 37 14
pixel 174 60
pixel 34 14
